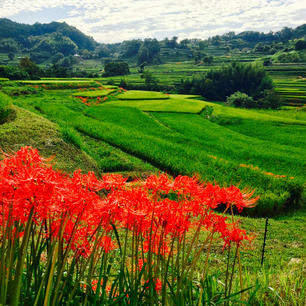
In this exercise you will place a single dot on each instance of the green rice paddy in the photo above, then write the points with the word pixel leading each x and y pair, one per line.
pixel 159 132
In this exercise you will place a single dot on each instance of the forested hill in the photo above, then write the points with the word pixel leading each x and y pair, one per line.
pixel 29 35
pixel 61 44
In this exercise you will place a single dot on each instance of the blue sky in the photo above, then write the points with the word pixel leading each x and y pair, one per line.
pixel 117 20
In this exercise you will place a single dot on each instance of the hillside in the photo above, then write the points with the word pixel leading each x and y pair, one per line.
pixel 23 33
pixel 29 129
pixel 49 43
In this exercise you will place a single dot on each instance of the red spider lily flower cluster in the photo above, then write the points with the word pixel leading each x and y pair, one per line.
pixel 84 100
pixel 88 102
pixel 158 208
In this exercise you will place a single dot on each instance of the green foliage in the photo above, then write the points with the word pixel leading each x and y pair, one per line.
pixel 300 45
pixel 116 68
pixel 5 107
pixel 8 45
pixel 102 51
pixel 217 84
pixel 40 36
pixel 269 99
pixel 54 43
pixel 289 57
pixel 131 47
pixel 149 51
pixel 208 59
pixel 13 73
pixel 30 68
pixel 151 82
pixel 240 99
pixel 11 56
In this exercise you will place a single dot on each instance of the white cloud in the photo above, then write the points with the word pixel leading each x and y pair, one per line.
pixel 117 20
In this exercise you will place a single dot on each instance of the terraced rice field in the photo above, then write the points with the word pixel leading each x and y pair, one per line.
pixel 262 150
pixel 289 79
pixel 153 131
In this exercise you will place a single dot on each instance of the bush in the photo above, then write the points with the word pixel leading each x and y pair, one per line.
pixel 5 107
pixel 13 73
pixel 289 57
pixel 268 99
pixel 240 99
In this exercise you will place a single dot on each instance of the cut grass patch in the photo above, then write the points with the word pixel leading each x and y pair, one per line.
pixel 172 104
pixel 94 93
pixel 142 95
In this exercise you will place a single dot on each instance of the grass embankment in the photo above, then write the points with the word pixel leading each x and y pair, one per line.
pixel 28 129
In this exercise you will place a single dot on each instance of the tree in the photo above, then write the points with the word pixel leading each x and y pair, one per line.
pixel 267 62
pixel 141 67
pixel 143 55
pixel 131 47
pixel 116 68
pixel 57 57
pixel 39 57
pixel 240 99
pixel 219 83
pixel 102 51
pixel 13 73
pixel 300 45
pixel 151 81
pixel 11 56
pixel 30 67
pixel 208 59
pixel 149 51
pixel 8 45
pixel 172 43
pixel 184 44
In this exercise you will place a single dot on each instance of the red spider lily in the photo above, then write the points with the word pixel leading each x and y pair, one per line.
pixel 80 213
pixel 158 285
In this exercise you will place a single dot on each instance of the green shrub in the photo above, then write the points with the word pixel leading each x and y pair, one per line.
pixel 240 99
pixel 289 57
pixel 268 99
pixel 13 73
pixel 5 107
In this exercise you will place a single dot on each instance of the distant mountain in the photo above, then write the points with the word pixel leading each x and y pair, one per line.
pixel 23 33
